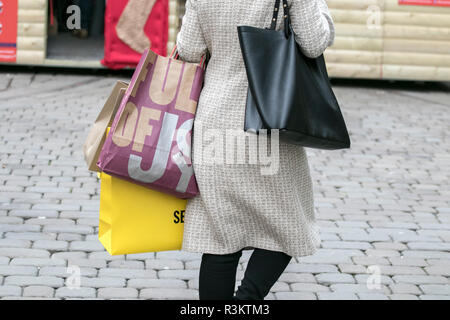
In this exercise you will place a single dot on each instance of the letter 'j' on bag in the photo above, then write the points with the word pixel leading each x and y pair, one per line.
pixel 135 219
pixel 96 138
pixel 150 140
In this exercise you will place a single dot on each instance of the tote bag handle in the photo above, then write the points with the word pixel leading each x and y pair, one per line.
pixel 286 17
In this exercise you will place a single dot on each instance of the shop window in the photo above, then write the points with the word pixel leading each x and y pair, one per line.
pixel 75 30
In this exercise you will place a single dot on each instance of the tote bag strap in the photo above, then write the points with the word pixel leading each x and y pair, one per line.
pixel 286 17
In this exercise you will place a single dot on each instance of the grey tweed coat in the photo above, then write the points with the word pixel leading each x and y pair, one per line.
pixel 239 207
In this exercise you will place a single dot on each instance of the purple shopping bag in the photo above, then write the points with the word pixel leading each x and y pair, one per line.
pixel 150 139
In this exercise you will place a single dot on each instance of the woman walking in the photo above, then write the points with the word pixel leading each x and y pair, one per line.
pixel 238 207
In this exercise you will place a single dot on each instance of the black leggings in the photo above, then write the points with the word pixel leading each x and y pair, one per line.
pixel 218 275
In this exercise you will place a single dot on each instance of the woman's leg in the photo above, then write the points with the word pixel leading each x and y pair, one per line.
pixel 218 276
pixel 263 270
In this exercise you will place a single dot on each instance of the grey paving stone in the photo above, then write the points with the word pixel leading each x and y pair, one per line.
pixel 37 262
pixel 64 272
pixel 86 246
pixel 157 283
pixel 127 273
pixel 38 291
pixel 169 294
pixel 364 278
pixel 438 262
pixel 164 264
pixel 24 253
pixel 33 281
pixel 280 286
pixel 394 270
pixel 436 289
pixel 120 293
pixel 434 297
pixel 326 236
pixel 30 236
pixel 372 296
pixel 180 255
pixel 364 237
pixel 58 207
pixel 46 221
pixel 397 246
pixel 141 256
pixel 352 268
pixel 19 228
pixel 369 261
pixel 418 279
pixel 289 277
pixel 105 256
pixel 6 291
pixel 28 298
pixel 295 296
pixel 51 245
pixel 69 255
pixel 359 288
pixel 195 264
pixel 382 253
pixel 438 270
pixel 92 263
pixel 403 261
pixel 434 246
pixel 337 296
pixel 309 287
pixel 426 254
pixel 103 282
pixel 330 278
pixel 82 292
pixel 68 229
pixel 10 220
pixel 326 259
pixel 311 268
pixel 194 283
pixel 346 245
pixel 69 237
pixel 14 243
pixel 405 288
pixel 178 274
pixel 11 270
pixel 403 297
pixel 126 264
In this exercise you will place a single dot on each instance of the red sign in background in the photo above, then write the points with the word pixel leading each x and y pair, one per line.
pixel 8 30
pixel 117 53
pixel 438 3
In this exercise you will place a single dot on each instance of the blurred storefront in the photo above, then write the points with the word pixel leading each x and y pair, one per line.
pixel 375 39
pixel 83 33
pixel 390 39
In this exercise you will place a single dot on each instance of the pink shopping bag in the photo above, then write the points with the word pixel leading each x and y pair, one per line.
pixel 150 140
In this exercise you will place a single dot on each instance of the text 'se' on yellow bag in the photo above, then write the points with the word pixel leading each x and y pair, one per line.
pixel 135 219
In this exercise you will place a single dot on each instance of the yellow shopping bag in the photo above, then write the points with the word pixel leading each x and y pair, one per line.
pixel 135 219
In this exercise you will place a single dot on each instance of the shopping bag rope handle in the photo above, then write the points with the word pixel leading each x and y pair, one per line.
pixel 175 55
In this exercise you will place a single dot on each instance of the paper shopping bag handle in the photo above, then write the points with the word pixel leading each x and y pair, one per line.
pixel 175 55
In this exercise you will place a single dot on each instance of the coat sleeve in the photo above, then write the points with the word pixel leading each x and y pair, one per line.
pixel 313 26
pixel 191 43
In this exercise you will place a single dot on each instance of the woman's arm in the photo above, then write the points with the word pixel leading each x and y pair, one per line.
pixel 313 26
pixel 191 43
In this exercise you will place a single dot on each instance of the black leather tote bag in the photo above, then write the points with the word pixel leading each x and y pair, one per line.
pixel 289 91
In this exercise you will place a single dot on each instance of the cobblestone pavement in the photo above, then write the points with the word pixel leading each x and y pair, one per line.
pixel 383 205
